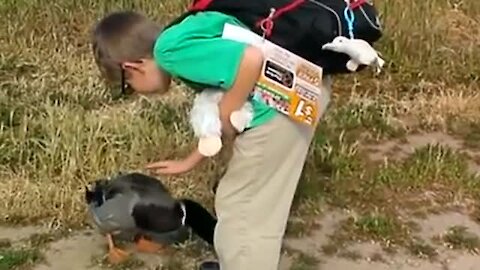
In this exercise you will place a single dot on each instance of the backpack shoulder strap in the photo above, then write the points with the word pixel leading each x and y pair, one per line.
pixel 179 19
pixel 196 6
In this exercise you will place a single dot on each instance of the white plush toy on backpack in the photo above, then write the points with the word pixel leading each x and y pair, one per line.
pixel 360 52
pixel 206 124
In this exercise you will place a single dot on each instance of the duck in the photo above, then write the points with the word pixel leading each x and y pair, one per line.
pixel 139 207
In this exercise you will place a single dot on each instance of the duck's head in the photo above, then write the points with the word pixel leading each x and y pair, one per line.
pixel 96 196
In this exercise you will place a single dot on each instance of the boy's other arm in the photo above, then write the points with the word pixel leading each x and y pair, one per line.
pixel 247 76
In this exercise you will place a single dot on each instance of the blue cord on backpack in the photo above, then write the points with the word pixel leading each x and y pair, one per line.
pixel 350 18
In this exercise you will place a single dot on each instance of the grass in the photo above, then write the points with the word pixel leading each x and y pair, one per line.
pixel 61 128
pixel 13 258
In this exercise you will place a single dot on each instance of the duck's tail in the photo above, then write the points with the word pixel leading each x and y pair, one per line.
pixel 199 219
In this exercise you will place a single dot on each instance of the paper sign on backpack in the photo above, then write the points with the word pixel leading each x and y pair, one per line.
pixel 289 83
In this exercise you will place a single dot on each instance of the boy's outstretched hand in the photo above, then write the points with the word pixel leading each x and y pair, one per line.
pixel 170 167
pixel 173 167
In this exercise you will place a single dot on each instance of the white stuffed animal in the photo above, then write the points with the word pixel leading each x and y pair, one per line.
pixel 206 124
pixel 360 52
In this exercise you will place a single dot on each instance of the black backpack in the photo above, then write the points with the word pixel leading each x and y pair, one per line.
pixel 301 26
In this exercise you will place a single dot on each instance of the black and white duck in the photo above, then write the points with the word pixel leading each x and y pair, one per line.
pixel 138 207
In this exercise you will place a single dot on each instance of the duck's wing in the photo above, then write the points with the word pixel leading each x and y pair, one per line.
pixel 150 191
pixel 139 183
pixel 157 217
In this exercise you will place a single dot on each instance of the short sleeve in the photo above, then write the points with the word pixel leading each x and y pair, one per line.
pixel 199 54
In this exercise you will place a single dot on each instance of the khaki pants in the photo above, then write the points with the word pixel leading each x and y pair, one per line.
pixel 254 197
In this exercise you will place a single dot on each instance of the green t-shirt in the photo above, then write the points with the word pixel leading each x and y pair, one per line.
pixel 195 52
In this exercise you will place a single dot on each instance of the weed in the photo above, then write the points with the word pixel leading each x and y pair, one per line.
pixel 304 261
pixel 468 130
pixel 351 255
pixel 377 226
pixel 129 264
pixel 421 249
pixel 377 257
pixel 39 240
pixel 301 228
pixel 330 249
pixel 173 263
pixel 458 237
pixel 5 243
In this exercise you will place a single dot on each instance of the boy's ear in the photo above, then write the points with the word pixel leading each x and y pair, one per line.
pixel 135 65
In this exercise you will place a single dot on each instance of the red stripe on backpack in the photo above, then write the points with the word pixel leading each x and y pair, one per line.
pixel 199 4
pixel 356 3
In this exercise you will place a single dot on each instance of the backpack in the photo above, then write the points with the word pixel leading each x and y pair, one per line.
pixel 301 26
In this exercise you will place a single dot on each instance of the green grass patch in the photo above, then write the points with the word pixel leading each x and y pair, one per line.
pixel 12 258
pixel 427 165
pixel 366 114
pixel 377 226
pixel 386 230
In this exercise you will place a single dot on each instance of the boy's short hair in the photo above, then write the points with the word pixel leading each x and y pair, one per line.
pixel 122 36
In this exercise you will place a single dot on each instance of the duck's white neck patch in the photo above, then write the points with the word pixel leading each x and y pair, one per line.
pixel 184 210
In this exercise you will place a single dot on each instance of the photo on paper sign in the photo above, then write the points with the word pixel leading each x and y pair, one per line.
pixel 279 74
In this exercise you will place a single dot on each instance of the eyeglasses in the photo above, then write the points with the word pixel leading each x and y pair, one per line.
pixel 123 86
pixel 125 89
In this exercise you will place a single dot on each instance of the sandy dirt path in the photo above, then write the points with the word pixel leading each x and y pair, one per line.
pixel 79 250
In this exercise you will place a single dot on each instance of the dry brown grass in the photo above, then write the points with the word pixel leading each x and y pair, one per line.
pixel 59 128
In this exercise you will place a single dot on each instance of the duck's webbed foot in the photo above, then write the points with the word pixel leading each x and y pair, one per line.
pixel 115 255
pixel 147 246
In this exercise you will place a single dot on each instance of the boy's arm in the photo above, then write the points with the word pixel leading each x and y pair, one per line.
pixel 248 73
pixel 173 167
pixel 247 76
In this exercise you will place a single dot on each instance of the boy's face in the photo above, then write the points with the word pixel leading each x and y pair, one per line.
pixel 145 77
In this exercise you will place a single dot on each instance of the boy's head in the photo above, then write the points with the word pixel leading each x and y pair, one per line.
pixel 123 50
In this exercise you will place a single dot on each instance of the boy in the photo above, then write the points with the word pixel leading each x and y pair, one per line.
pixel 253 198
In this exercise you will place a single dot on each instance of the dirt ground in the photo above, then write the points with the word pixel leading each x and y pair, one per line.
pixel 76 252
